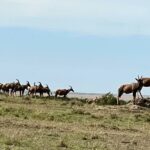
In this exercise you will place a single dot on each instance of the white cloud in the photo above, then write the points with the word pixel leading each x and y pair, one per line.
pixel 96 17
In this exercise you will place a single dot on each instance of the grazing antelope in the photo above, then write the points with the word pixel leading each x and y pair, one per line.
pixel 131 88
pixel 63 92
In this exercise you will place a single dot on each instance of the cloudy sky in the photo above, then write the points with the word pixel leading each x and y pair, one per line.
pixel 96 17
pixel 93 45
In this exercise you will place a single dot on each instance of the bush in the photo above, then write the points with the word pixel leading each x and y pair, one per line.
pixel 107 99
pixel 122 102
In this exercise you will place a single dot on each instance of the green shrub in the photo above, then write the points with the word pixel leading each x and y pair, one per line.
pixel 107 99
pixel 122 102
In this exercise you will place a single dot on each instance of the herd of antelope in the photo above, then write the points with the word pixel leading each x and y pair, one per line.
pixel 134 88
pixel 12 88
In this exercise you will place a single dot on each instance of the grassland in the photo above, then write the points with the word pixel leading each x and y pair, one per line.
pixel 60 124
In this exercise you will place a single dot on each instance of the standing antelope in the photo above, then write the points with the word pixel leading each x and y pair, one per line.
pixel 39 89
pixel 9 87
pixel 5 88
pixel 36 89
pixel 131 88
pixel 1 85
pixel 47 90
pixel 25 87
pixel 21 88
pixel 63 92
pixel 32 89
pixel 145 81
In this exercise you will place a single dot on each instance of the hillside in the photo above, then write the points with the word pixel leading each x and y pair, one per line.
pixel 53 124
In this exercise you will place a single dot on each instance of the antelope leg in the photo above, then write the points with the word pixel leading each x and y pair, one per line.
pixel 141 95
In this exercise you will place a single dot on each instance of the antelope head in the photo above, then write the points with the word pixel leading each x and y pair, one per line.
pixel 139 80
pixel 28 84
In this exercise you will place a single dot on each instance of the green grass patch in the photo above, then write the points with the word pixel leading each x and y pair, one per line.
pixel 43 123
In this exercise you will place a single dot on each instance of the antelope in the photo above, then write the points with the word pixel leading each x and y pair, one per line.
pixel 131 88
pixel 63 92
pixel 10 86
pixel 46 90
pixel 145 81
pixel 1 85
pixel 39 89
pixel 17 87
pixel 32 89
pixel 21 88
pixel 25 87
pixel 36 89
pixel 5 88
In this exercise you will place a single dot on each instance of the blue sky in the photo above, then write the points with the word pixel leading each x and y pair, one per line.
pixel 95 46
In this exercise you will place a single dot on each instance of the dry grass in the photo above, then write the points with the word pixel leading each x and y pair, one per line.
pixel 49 124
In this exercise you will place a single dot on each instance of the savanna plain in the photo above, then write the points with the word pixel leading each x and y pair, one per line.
pixel 71 124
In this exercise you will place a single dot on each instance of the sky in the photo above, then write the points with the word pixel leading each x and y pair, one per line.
pixel 94 46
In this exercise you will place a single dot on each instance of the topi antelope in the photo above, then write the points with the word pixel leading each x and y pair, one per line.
pixel 131 88
pixel 36 89
pixel 25 87
pixel 145 81
pixel 47 90
pixel 63 92
pixel 39 89
pixel 15 87
pixel 10 87
pixel 32 89
pixel 22 88
pixel 1 85
pixel 5 88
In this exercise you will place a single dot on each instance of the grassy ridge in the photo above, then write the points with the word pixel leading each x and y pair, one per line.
pixel 49 124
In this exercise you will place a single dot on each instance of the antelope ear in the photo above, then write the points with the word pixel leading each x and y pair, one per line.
pixel 136 79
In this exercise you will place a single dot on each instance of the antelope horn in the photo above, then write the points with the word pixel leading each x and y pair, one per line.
pixel 17 80
pixel 40 84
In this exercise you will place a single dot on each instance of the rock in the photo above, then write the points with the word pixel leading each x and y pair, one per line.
pixel 144 102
